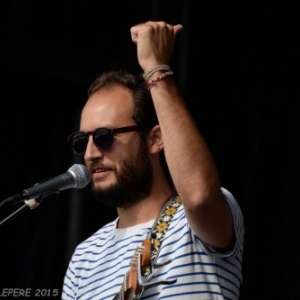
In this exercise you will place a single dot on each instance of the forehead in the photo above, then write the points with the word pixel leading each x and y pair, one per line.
pixel 112 107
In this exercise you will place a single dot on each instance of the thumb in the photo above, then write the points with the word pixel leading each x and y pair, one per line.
pixel 177 28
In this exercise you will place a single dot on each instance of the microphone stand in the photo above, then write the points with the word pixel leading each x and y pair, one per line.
pixel 28 204
pixel 14 215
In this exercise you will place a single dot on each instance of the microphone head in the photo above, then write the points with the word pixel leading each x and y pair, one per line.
pixel 81 175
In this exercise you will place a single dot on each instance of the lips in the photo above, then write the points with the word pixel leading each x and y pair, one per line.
pixel 101 170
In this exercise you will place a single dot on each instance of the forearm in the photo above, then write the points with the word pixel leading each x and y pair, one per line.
pixel 192 167
pixel 189 160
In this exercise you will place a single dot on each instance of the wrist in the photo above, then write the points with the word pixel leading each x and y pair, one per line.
pixel 152 82
pixel 157 68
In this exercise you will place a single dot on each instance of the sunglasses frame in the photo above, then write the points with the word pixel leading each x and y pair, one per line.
pixel 112 131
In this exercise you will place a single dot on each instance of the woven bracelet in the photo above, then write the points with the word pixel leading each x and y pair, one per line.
pixel 155 69
pixel 150 83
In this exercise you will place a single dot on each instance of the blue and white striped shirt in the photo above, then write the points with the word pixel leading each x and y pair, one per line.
pixel 97 268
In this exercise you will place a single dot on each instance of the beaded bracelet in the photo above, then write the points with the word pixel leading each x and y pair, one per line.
pixel 155 69
pixel 150 83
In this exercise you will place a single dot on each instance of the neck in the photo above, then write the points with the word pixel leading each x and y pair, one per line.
pixel 143 211
pixel 149 207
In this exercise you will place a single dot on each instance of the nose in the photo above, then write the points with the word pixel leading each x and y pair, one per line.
pixel 92 151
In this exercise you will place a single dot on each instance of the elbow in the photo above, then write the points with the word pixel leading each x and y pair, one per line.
pixel 203 198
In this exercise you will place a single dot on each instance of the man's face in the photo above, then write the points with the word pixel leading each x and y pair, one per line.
pixel 122 175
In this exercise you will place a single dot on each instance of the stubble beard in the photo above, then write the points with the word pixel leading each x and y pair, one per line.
pixel 133 181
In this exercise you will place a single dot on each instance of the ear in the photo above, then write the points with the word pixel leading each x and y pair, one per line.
pixel 155 140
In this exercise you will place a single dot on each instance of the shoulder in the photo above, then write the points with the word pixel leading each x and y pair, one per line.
pixel 100 236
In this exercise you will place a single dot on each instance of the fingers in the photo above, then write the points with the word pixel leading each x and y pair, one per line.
pixel 177 28
pixel 141 28
pixel 154 41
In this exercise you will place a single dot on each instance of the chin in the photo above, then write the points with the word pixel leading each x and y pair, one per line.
pixel 102 185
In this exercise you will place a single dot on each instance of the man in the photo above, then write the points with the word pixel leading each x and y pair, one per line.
pixel 194 251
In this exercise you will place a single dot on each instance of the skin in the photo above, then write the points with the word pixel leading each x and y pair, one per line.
pixel 190 163
pixel 189 160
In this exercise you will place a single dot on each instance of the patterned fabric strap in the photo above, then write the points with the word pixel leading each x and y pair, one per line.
pixel 162 223
pixel 156 234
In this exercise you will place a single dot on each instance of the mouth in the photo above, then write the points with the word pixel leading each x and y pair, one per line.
pixel 101 170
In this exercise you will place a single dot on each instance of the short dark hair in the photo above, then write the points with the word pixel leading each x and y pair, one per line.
pixel 144 112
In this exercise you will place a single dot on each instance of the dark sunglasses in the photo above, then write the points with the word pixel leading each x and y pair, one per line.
pixel 102 137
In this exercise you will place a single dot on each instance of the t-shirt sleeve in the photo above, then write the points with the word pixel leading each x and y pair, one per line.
pixel 238 228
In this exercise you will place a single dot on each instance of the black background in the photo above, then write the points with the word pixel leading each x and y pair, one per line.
pixel 237 66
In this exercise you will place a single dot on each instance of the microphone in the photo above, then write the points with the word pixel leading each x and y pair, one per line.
pixel 77 176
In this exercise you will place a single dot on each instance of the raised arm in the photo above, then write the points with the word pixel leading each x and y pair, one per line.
pixel 189 160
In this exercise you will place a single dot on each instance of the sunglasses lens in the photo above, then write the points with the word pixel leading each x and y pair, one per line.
pixel 79 142
pixel 103 139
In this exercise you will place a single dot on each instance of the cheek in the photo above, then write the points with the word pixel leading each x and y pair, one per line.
pixel 125 159
pixel 122 150
pixel 122 153
pixel 122 161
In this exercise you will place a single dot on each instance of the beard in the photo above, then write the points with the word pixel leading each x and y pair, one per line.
pixel 133 182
